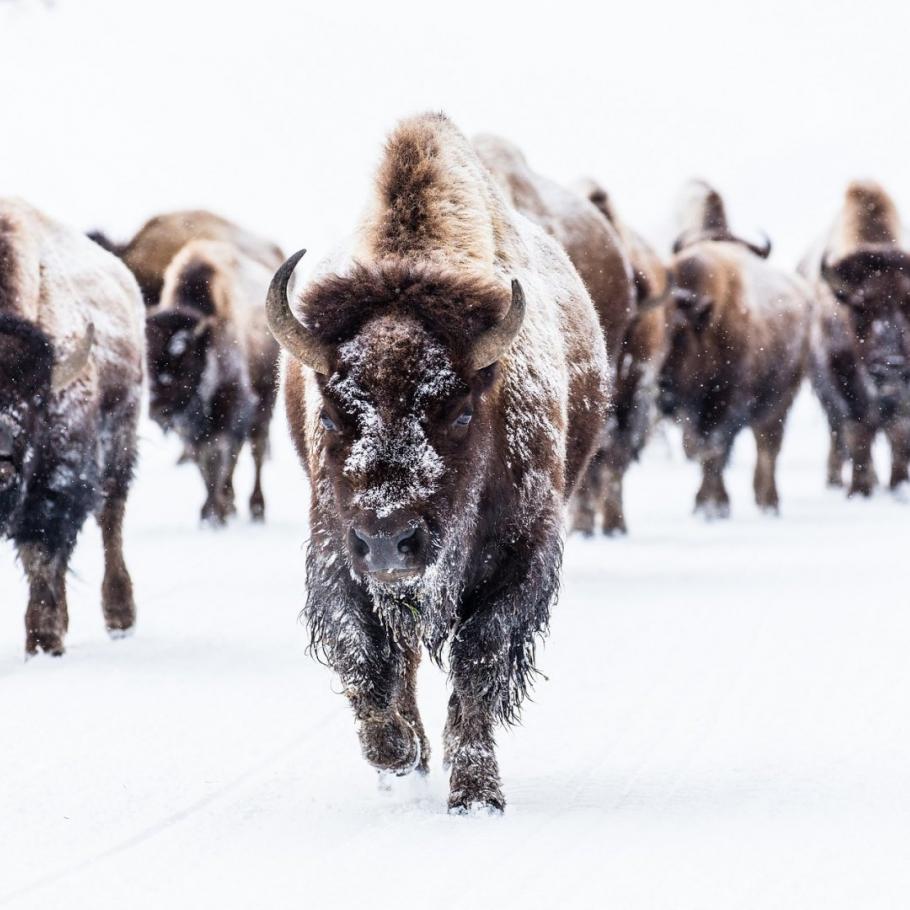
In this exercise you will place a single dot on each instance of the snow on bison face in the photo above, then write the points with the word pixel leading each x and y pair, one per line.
pixel 404 433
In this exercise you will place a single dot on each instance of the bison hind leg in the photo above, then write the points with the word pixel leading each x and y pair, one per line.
pixel 46 617
pixel 259 446
pixel 117 587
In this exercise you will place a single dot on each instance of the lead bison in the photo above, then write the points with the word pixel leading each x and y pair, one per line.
pixel 860 341
pixel 738 334
pixel 71 364
pixel 213 366
pixel 445 388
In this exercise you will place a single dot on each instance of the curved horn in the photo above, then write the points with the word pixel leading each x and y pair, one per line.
pixel 294 337
pixel 495 341
pixel 67 369
pixel 764 251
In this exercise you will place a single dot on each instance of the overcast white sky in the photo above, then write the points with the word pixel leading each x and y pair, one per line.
pixel 273 112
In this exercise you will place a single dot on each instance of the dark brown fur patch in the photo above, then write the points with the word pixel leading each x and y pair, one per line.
pixel 194 289
pixel 454 307
pixel 26 358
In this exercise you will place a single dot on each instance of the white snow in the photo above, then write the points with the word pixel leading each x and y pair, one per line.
pixel 725 721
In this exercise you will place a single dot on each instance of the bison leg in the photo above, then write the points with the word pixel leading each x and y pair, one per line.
pixel 899 439
pixel 117 587
pixel 46 618
pixel 588 496
pixel 216 465
pixel 837 455
pixel 492 663
pixel 259 445
pixel 859 441
pixel 407 708
pixel 712 499
pixel 768 440
pixel 614 521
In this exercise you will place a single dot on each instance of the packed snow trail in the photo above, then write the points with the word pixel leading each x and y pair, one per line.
pixel 724 724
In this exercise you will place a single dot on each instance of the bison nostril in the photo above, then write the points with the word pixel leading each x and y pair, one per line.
pixel 359 543
pixel 409 543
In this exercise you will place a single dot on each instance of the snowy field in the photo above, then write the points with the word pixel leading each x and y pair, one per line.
pixel 726 720
pixel 725 723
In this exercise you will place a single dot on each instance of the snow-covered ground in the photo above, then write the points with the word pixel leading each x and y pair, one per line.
pixel 725 723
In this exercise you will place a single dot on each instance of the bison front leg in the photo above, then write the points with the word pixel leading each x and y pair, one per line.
pixel 46 618
pixel 712 500
pixel 899 438
pixel 587 497
pixel 768 440
pixel 859 442
pixel 259 444
pixel 837 455
pixel 216 462
pixel 117 587
pixel 492 665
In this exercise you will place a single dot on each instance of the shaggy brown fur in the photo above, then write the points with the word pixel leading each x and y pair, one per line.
pixel 475 466
pixel 644 347
pixel 860 340
pixel 738 342
pixel 213 366
pixel 159 240
pixel 67 447
pixel 592 243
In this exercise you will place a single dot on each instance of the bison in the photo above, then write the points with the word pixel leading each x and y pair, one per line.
pixel 71 372
pixel 213 366
pixel 158 241
pixel 860 338
pixel 600 249
pixel 738 336
pixel 445 387
pixel 634 407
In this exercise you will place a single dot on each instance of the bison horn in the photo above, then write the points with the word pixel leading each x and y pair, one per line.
pixel 289 332
pixel 67 369
pixel 764 251
pixel 495 341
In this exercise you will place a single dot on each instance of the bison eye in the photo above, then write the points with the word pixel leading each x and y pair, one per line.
pixel 463 419
pixel 327 422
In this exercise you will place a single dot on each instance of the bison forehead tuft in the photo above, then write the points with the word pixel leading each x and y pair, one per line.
pixel 391 375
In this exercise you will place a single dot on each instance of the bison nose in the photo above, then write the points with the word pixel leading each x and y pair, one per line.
pixel 389 554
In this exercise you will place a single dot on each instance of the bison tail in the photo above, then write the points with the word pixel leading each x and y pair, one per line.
pixel 106 243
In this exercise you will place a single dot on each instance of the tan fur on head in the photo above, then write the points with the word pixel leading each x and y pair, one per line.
pixel 432 199
pixel 870 215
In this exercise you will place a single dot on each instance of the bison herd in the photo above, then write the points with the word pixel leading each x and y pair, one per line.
pixel 478 365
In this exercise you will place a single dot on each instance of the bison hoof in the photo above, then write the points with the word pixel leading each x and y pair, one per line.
pixel 491 804
pixel 390 745
pixel 861 488
pixel 616 530
pixel 118 632
pixel 49 643
pixel 257 510
pixel 713 510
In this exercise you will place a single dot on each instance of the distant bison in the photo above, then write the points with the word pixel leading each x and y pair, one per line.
pixel 158 241
pixel 71 369
pixel 738 334
pixel 634 340
pixel 639 362
pixel 213 366
pixel 860 347
pixel 446 386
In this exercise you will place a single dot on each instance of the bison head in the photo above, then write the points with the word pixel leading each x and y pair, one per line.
pixel 178 343
pixel 406 365
pixel 874 286
pixel 29 374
